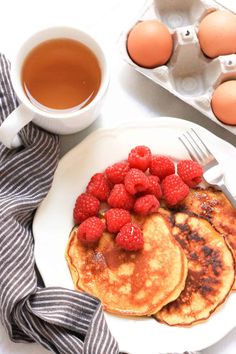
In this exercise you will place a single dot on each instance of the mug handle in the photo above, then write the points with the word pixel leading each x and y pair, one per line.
pixel 13 124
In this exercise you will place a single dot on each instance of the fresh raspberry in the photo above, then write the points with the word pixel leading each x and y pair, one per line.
pixel 146 205
pixel 116 218
pixel 86 205
pixel 130 237
pixel 117 172
pixel 120 198
pixel 136 181
pixel 161 166
pixel 91 229
pixel 140 157
pixel 174 189
pixel 99 187
pixel 154 186
pixel 190 172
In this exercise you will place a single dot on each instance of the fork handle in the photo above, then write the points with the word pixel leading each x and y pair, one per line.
pixel 228 194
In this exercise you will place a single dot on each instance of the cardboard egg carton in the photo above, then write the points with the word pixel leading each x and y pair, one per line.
pixel 189 74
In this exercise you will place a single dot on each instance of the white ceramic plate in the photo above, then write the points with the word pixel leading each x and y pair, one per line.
pixel 53 222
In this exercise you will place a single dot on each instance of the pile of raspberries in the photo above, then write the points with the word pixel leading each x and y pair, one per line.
pixel 135 185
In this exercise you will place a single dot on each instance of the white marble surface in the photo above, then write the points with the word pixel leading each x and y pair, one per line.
pixel 131 96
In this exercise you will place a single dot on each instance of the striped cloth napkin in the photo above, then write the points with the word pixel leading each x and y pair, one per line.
pixel 63 321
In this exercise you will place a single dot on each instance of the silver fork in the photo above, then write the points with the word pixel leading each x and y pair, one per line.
pixel 200 153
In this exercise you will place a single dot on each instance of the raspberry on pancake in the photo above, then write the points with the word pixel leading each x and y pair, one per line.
pixel 130 282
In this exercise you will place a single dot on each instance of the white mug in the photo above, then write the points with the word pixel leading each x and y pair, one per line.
pixel 57 121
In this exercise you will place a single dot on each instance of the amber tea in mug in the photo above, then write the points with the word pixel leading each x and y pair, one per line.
pixel 61 74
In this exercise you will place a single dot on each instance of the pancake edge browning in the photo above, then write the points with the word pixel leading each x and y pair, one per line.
pixel 171 296
pixel 210 201
pixel 73 270
pixel 163 316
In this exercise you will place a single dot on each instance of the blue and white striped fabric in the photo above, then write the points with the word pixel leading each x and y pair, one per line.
pixel 62 320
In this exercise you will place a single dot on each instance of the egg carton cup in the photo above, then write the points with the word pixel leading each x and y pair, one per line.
pixel 189 74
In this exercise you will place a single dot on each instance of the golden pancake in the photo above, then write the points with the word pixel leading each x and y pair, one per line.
pixel 130 283
pixel 210 271
pixel 213 205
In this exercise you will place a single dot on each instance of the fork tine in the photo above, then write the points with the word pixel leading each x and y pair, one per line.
pixel 194 147
pixel 193 157
pixel 198 137
pixel 198 150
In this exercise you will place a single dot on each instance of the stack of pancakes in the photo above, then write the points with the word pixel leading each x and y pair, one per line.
pixel 184 272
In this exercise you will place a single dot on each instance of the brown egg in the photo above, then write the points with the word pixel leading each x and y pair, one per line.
pixel 217 34
pixel 223 102
pixel 150 44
